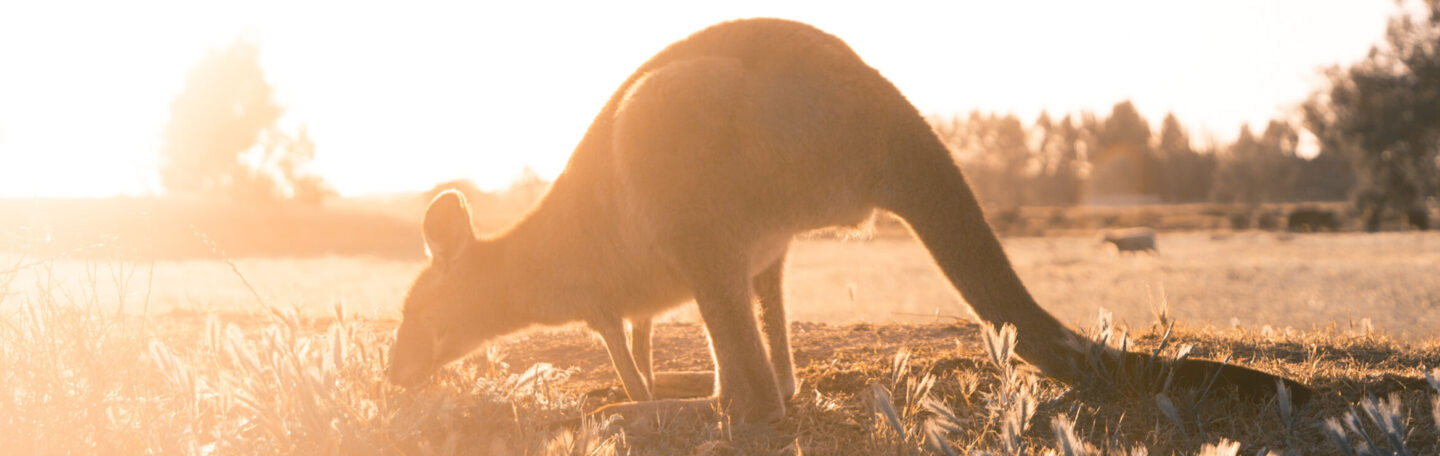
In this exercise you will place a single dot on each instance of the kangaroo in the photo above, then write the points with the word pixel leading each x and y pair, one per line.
pixel 690 184
pixel 1136 240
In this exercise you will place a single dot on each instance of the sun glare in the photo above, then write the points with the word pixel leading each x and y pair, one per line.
pixel 398 99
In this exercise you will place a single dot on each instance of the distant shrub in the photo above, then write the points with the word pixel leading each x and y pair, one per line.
pixel 1267 220
pixel 1310 219
pixel 1239 220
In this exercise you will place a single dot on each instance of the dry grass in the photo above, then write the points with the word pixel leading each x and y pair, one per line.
pixel 296 367
pixel 1217 279
pixel 80 379
pixel 1214 279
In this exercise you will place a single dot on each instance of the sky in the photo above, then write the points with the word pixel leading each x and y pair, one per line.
pixel 400 98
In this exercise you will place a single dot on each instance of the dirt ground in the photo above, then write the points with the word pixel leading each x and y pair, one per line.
pixel 821 350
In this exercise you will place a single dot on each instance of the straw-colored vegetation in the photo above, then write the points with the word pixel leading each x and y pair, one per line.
pixel 1218 279
pixel 305 376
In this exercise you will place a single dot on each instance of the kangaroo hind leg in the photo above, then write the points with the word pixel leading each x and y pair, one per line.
pixel 718 274
pixel 771 293
pixel 745 386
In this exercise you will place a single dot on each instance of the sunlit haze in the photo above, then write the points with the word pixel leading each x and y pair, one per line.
pixel 399 99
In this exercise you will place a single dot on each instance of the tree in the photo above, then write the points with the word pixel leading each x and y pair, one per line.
pixel 997 159
pixel 1384 113
pixel 1122 162
pixel 1008 145
pixel 1259 170
pixel 222 139
pixel 1279 160
pixel 970 143
pixel 1181 173
pixel 1059 179
pixel 1235 179
pixel 1328 176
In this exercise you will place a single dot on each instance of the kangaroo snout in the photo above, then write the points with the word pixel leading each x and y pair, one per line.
pixel 408 366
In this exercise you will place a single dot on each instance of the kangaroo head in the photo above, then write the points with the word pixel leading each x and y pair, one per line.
pixel 452 307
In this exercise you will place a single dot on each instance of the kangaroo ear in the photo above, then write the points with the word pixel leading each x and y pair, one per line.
pixel 447 226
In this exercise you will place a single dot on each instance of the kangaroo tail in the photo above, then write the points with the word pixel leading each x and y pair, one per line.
pixel 926 189
pixel 922 185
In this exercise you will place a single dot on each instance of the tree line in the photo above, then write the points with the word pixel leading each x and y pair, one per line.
pixel 1120 159
pixel 1376 122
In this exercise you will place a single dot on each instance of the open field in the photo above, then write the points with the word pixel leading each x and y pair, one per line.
pixel 80 382
pixel 212 371
pixel 1250 279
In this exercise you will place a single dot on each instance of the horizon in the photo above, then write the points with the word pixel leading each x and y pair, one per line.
pixel 425 103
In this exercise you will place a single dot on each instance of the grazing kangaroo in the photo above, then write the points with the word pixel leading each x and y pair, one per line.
pixel 1131 239
pixel 690 184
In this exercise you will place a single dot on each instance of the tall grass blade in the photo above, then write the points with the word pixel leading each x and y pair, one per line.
pixel 886 408
pixel 1168 409
pixel 935 439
